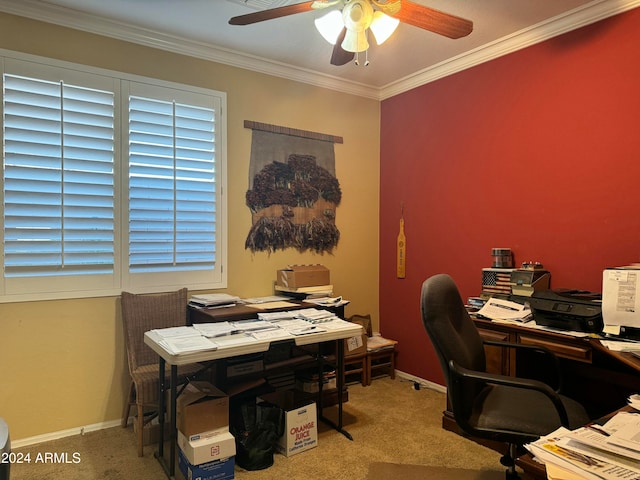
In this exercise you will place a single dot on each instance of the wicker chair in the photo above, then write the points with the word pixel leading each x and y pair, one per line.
pixel 141 313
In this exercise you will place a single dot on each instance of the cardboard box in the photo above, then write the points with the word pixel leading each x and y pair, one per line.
pixel 355 345
pixel 245 366
pixel 201 407
pixel 206 449
pixel 215 470
pixel 151 432
pixel 296 276
pixel 300 422
pixel 311 386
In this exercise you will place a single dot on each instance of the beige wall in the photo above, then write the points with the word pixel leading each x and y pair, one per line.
pixel 63 362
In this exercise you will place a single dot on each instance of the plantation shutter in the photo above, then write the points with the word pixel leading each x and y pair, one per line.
pixel 172 185
pixel 58 178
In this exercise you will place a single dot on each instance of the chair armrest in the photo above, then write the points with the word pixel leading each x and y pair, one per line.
pixel 492 378
pixel 534 348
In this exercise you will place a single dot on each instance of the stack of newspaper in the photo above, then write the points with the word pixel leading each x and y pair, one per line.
pixel 610 451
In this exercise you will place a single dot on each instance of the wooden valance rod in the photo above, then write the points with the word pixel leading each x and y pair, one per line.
pixel 266 127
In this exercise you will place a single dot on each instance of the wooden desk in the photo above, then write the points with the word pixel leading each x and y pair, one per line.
pixel 152 339
pixel 598 378
pixel 245 312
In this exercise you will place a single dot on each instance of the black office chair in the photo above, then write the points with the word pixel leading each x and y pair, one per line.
pixel 485 405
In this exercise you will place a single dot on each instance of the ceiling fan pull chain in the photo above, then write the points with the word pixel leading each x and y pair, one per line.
pixel 366 57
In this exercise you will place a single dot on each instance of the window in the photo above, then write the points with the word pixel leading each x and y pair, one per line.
pixel 109 184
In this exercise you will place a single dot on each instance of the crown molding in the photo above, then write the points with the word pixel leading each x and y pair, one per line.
pixel 572 20
pixel 66 17
pixel 579 17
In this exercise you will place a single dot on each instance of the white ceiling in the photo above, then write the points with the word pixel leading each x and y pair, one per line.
pixel 291 47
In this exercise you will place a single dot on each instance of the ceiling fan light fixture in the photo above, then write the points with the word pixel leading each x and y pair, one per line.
pixel 330 26
pixel 383 26
pixel 355 41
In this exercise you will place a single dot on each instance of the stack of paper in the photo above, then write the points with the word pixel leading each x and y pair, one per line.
pixel 505 310
pixel 314 315
pixel 179 340
pixel 610 451
pixel 213 300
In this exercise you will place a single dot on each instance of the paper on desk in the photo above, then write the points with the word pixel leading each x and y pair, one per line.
pixel 215 329
pixel 270 298
pixel 328 301
pixel 621 345
pixel 171 332
pixel 621 297
pixel 234 340
pixel 627 434
pixel 499 309
pixel 188 344
pixel 273 334
pixel 252 325
pixel 272 305
pixel 557 449
pixel 555 472
pixel 595 439
pixel 307 330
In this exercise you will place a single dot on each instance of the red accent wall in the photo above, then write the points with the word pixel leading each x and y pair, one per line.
pixel 537 151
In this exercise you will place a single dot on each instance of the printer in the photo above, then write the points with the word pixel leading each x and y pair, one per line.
pixel 565 309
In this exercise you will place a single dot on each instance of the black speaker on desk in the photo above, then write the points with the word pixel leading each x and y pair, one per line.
pixel 5 449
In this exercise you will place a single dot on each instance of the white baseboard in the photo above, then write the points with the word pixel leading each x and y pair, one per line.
pixel 24 442
pixel 423 383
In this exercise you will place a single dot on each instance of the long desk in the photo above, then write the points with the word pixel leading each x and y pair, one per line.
pixel 152 339
pixel 595 376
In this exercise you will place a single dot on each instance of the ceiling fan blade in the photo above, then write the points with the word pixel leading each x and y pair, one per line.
pixel 432 20
pixel 278 12
pixel 340 56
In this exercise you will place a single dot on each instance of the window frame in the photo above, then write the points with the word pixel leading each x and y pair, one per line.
pixel 61 287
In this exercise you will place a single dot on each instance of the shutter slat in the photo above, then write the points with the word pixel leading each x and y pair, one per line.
pixel 171 159
pixel 55 222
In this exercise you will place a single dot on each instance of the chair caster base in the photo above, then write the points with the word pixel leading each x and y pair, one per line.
pixel 511 475
pixel 507 461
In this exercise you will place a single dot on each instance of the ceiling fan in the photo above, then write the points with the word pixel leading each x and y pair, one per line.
pixel 357 16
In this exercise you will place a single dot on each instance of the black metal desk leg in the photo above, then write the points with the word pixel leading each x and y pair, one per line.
pixel 340 386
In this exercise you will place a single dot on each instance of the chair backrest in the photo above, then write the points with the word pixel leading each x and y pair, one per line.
pixel 141 313
pixel 452 332
pixel 364 320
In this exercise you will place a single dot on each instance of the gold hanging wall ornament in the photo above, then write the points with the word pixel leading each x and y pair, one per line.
pixel 401 248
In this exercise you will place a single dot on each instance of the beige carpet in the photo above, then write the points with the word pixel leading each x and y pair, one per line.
pixel 388 471
pixel 390 422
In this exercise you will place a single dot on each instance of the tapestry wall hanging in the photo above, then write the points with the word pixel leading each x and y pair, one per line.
pixel 293 190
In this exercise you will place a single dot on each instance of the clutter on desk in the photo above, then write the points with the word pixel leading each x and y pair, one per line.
pixel 496 281
pixel 621 301
pixel 568 309
pixel 328 301
pixel 497 309
pixel 609 451
pixel 502 258
pixel 529 278
pixel 213 300
pixel 304 281
pixel 297 276
pixel 634 401
pixel 305 293
pixel 268 326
